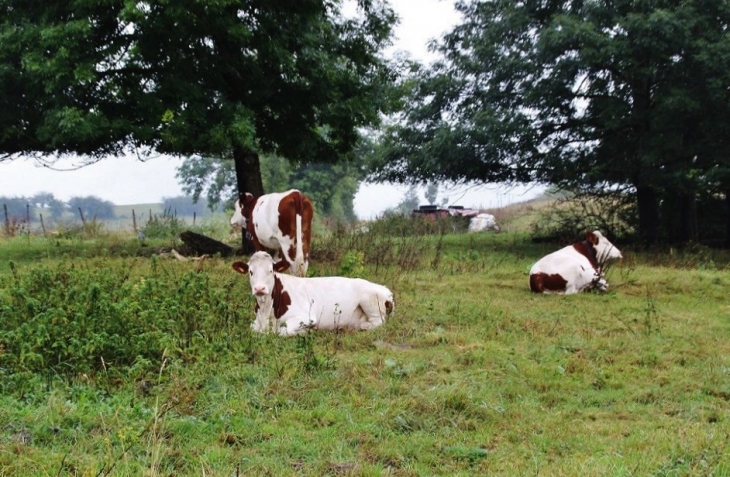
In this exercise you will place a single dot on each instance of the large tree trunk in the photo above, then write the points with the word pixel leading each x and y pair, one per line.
pixel 679 216
pixel 248 171
pixel 648 205
pixel 727 217
pixel 689 217
pixel 248 179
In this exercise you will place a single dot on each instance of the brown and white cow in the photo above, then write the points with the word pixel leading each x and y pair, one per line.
pixel 575 268
pixel 280 222
pixel 289 305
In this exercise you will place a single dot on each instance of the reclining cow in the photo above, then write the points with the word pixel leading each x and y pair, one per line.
pixel 575 268
pixel 290 305
pixel 280 222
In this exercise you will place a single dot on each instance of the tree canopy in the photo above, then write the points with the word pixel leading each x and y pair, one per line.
pixel 626 95
pixel 92 207
pixel 332 187
pixel 231 78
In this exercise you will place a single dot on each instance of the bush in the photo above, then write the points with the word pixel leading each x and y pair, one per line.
pixel 73 320
pixel 570 217
pixel 164 226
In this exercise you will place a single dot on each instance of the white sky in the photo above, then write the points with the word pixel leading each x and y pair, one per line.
pixel 126 180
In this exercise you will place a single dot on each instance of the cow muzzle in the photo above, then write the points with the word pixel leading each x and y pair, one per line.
pixel 259 290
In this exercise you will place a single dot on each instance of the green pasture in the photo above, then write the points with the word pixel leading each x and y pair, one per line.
pixel 118 361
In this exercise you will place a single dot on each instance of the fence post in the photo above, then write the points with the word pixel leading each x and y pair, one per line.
pixel 81 213
pixel 7 220
pixel 43 227
pixel 134 221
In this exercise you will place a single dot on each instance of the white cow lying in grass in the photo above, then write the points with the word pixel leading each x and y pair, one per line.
pixel 575 268
pixel 289 305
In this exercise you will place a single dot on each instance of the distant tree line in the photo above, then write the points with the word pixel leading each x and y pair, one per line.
pixel 185 205
pixel 21 207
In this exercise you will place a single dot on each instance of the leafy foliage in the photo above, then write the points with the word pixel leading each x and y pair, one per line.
pixel 229 78
pixel 82 319
pixel 166 226
pixel 332 187
pixel 92 207
pixel 584 95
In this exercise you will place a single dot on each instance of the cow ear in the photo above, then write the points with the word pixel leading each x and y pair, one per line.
pixel 281 266
pixel 248 200
pixel 240 267
pixel 592 238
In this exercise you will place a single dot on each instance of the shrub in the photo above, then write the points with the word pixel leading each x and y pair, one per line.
pixel 78 320
pixel 164 226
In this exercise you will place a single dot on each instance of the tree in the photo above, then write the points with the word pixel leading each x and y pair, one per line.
pixel 229 78
pixel 47 201
pixel 332 187
pixel 92 207
pixel 410 201
pixel 17 207
pixel 185 205
pixel 432 192
pixel 628 96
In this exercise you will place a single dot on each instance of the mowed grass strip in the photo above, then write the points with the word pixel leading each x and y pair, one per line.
pixel 474 375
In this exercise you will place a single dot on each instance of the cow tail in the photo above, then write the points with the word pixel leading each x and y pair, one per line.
pixel 299 258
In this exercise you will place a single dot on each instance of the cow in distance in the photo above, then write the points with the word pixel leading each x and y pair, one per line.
pixel 575 268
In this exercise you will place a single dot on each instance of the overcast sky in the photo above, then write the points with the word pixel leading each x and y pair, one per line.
pixel 126 180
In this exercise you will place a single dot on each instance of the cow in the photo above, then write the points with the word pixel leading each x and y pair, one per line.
pixel 289 305
pixel 483 222
pixel 575 268
pixel 280 222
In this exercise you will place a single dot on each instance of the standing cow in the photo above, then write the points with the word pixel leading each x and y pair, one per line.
pixel 575 268
pixel 281 222
pixel 290 305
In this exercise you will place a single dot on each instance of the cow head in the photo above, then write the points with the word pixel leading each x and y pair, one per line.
pixel 605 250
pixel 260 269
pixel 244 206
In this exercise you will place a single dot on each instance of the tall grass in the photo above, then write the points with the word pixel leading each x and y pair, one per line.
pixel 148 367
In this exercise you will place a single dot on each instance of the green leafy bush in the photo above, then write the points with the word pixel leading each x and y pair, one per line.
pixel 75 320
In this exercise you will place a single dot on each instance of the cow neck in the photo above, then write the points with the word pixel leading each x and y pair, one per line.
pixel 587 249
pixel 277 302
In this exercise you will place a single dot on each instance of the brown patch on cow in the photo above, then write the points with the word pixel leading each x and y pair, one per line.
pixel 281 299
pixel 540 282
pixel 247 202
pixel 290 206
pixel 587 249
pixel 388 308
pixel 592 238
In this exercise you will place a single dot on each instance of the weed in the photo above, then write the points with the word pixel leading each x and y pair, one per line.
pixel 651 317
pixel 164 226
pixel 352 264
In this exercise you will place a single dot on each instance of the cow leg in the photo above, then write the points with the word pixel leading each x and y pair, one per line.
pixel 371 323
pixel 587 280
pixel 296 325
pixel 375 310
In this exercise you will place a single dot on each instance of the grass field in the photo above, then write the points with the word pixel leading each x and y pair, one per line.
pixel 117 364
